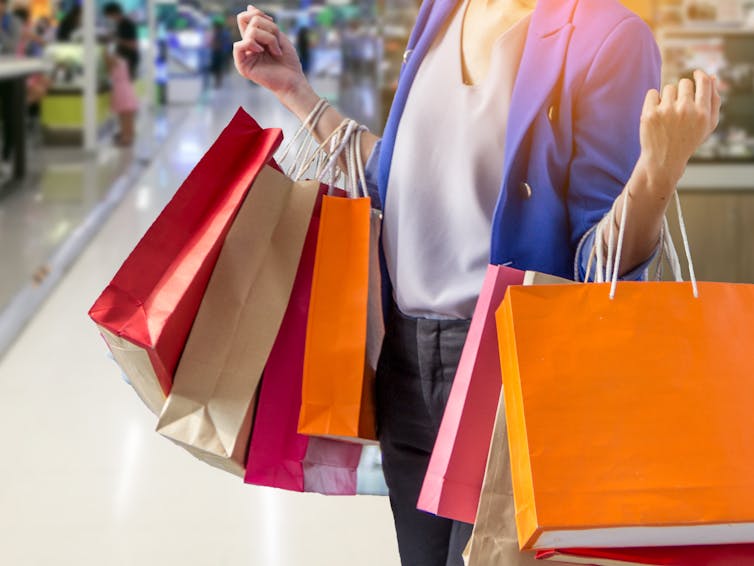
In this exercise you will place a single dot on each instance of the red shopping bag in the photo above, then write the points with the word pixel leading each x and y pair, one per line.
pixel 146 312
pixel 278 455
pixel 453 482
pixel 720 555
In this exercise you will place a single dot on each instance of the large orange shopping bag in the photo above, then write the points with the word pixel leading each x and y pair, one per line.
pixel 278 455
pixel 344 325
pixel 453 481
pixel 146 312
pixel 629 418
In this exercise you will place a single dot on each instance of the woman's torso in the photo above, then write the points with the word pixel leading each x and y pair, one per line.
pixel 446 175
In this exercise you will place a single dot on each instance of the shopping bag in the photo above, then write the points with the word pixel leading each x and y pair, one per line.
pixel 628 411
pixel 279 456
pixel 210 408
pixel 454 476
pixel 493 541
pixel 342 337
pixel 146 312
pixel 718 555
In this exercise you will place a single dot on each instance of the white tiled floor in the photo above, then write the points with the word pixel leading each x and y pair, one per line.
pixel 85 480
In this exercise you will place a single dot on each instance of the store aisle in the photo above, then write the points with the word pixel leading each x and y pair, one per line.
pixel 87 481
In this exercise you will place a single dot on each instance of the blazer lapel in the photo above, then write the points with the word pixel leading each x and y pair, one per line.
pixel 541 67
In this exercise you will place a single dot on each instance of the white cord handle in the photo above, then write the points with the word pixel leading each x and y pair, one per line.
pixel 614 256
pixel 309 124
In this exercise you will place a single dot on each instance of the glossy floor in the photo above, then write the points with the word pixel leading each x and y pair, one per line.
pixel 85 480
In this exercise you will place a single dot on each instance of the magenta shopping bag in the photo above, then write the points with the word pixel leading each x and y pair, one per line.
pixel 453 482
pixel 278 455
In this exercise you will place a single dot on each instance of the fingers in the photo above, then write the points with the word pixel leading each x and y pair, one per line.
pixel 669 96
pixel 704 87
pixel 686 91
pixel 247 47
pixel 263 38
pixel 716 103
pixel 243 18
pixel 651 102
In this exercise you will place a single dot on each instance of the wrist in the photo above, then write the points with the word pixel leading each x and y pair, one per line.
pixel 299 97
pixel 657 180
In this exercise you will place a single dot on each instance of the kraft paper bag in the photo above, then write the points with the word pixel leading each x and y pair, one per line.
pixel 493 541
pixel 146 312
pixel 210 408
pixel 453 481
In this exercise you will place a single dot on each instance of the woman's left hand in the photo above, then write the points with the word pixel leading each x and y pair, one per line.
pixel 673 126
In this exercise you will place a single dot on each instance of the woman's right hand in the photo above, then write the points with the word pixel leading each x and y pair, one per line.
pixel 265 55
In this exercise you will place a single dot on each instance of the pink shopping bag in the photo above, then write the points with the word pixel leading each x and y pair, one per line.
pixel 279 456
pixel 453 482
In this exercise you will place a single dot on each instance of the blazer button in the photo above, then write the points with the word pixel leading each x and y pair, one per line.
pixel 406 55
pixel 551 113
pixel 525 189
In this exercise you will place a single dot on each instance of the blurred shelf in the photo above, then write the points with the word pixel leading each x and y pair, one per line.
pixel 705 30
pixel 718 176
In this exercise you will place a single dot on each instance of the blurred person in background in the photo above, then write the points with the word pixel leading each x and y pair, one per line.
pixel 10 30
pixel 123 100
pixel 31 44
pixel 221 49
pixel 125 36
pixel 303 48
pixel 10 36
pixel 123 61
pixel 518 125
pixel 44 29
pixel 70 23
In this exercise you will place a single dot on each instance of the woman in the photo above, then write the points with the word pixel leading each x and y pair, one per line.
pixel 515 128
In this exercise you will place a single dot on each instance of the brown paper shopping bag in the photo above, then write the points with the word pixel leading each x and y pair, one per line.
pixel 210 408
pixel 494 541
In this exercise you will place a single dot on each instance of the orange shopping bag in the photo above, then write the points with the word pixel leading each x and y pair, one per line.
pixel 630 418
pixel 339 367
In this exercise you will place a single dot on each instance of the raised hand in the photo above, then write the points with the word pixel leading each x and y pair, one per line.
pixel 265 55
pixel 674 125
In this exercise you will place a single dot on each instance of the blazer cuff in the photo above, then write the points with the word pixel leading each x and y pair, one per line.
pixel 371 171
pixel 584 250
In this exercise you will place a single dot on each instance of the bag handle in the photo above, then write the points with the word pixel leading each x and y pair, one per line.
pixel 310 123
pixel 345 140
pixel 614 252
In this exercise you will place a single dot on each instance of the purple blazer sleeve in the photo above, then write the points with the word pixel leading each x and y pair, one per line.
pixel 606 131
pixel 371 171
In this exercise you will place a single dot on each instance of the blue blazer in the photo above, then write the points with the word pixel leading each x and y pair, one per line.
pixel 573 130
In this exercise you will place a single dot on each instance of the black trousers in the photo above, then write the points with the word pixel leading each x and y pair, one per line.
pixel 414 376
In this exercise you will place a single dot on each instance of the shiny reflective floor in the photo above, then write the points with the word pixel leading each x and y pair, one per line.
pixel 85 480
pixel 63 186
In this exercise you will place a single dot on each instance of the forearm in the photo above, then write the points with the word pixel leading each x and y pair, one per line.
pixel 647 204
pixel 302 99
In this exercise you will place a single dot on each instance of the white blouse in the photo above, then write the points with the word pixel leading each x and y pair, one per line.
pixel 446 175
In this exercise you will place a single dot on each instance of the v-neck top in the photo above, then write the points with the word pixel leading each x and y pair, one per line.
pixel 446 174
